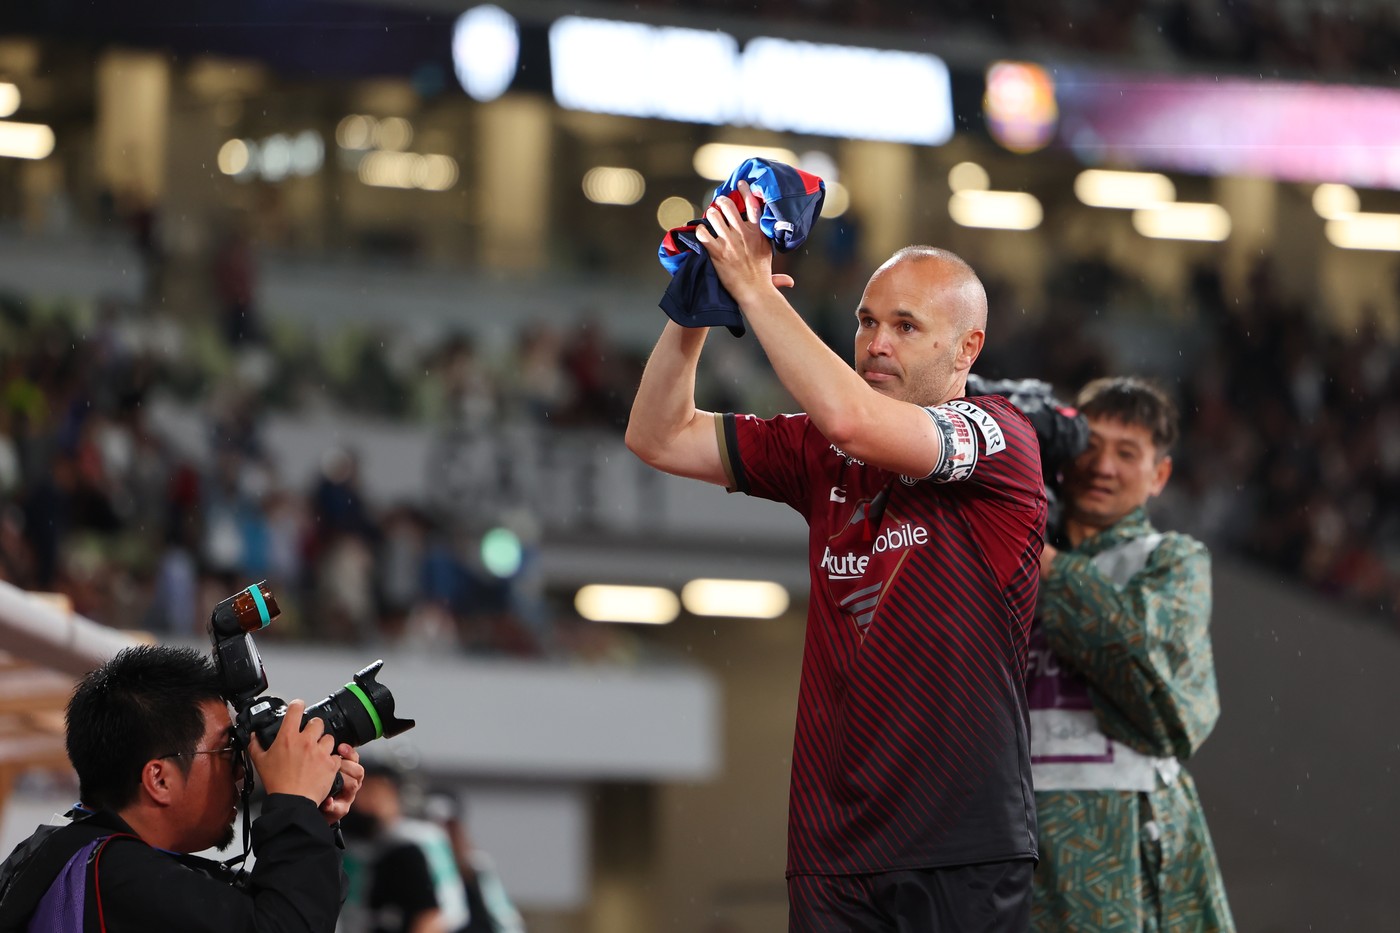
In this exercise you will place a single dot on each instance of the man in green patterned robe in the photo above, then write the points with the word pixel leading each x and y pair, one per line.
pixel 1121 690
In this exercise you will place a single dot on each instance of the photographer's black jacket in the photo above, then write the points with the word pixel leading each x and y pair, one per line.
pixel 295 885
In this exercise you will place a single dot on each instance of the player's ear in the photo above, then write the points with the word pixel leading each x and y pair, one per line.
pixel 971 346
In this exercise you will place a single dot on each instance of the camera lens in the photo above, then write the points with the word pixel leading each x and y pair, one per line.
pixel 361 711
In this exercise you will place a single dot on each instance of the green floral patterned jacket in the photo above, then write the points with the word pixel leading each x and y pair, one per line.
pixel 1124 631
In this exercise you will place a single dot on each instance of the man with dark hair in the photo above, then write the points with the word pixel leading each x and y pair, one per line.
pixel 1122 689
pixel 911 807
pixel 150 737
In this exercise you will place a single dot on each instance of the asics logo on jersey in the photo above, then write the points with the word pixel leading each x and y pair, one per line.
pixel 850 565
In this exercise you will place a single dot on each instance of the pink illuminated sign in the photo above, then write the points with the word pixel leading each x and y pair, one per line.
pixel 1233 126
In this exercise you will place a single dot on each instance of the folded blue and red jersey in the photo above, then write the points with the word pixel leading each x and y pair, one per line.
pixel 792 201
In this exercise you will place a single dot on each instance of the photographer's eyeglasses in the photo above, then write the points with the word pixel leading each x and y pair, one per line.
pixel 228 753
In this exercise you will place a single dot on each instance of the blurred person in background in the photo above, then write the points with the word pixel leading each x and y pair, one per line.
pixel 911 806
pixel 490 906
pixel 1122 689
pixel 403 872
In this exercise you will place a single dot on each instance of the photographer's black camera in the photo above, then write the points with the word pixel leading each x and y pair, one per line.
pixel 357 713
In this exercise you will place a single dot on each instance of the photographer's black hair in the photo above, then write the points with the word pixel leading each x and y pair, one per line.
pixel 142 704
pixel 1132 401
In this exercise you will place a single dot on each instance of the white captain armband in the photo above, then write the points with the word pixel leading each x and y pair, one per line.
pixel 957 448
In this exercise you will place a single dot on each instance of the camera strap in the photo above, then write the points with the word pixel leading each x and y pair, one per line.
pixel 232 865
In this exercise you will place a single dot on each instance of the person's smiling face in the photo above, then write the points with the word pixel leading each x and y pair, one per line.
pixel 1118 472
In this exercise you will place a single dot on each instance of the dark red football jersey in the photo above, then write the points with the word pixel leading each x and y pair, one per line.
pixel 911 748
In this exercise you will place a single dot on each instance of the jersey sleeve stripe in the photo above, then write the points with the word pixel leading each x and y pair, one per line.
pixel 728 436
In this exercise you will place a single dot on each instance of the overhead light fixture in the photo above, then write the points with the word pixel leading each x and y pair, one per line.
pixel 1183 221
pixel 968 176
pixel 234 157
pixel 717 161
pixel 645 605
pixel 25 140
pixel 1130 190
pixel 485 51
pixel 674 212
pixel 9 98
pixel 605 184
pixel 1334 202
pixel 1365 231
pixel 996 210
pixel 393 133
pixel 408 170
pixel 356 132
pixel 736 599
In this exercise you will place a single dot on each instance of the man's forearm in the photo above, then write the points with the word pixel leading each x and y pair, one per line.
pixel 665 401
pixel 824 385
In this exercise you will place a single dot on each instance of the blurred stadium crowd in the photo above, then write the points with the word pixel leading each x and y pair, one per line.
pixel 1290 456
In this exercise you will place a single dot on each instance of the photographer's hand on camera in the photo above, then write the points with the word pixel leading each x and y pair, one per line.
pixel 300 761
pixel 352 775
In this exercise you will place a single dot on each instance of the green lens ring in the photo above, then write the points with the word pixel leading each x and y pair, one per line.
pixel 369 708
pixel 262 606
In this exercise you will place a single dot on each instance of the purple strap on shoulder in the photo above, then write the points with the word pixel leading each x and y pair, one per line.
pixel 61 908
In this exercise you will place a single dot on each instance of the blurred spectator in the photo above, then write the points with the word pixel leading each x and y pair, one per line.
pixel 491 910
pixel 235 285
pixel 404 876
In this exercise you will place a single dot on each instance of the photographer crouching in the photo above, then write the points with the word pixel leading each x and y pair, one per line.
pixel 151 738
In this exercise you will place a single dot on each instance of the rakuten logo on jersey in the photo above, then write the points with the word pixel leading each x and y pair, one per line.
pixel 851 565
pixel 846 566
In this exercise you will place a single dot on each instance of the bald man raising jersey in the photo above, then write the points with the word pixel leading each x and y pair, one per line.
pixel 911 804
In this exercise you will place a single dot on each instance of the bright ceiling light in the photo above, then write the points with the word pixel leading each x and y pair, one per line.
pixel 737 599
pixel 996 210
pixel 276 157
pixel 1182 221
pixel 356 132
pixel 485 51
pixel 1101 188
pixel 25 140
pixel 393 133
pixel 837 200
pixel 968 176
pixel 387 169
pixel 1365 231
pixel 1335 201
pixel 408 170
pixel 605 184
pixel 9 99
pixel 717 161
pixel 436 172
pixel 308 153
pixel 233 157
pixel 647 605
pixel 674 212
